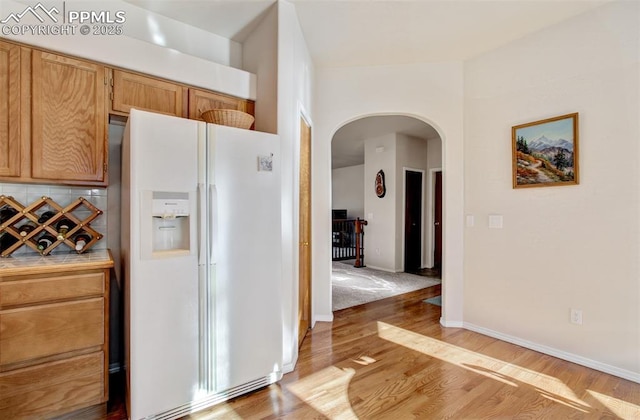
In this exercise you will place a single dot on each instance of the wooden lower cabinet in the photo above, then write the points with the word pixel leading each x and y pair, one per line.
pixel 53 388
pixel 53 341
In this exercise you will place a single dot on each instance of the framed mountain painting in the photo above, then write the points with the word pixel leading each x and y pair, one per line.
pixel 545 153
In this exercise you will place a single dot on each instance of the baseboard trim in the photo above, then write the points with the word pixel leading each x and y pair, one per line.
pixel 323 318
pixel 451 324
pixel 382 269
pixel 288 368
pixel 560 354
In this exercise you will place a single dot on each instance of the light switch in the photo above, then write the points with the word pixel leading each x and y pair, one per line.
pixel 471 220
pixel 495 221
pixel 369 216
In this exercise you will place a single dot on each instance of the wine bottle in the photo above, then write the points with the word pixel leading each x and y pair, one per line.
pixel 64 226
pixel 46 216
pixel 7 213
pixel 6 240
pixel 81 240
pixel 27 228
pixel 45 241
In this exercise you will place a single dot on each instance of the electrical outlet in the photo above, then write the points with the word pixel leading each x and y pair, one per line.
pixel 377 251
pixel 576 316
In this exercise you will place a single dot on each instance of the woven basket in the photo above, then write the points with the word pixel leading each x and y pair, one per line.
pixel 229 117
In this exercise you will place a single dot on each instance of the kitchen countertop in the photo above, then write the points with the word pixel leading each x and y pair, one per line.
pixel 37 264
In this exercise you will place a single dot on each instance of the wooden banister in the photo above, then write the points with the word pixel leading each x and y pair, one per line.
pixel 359 246
pixel 348 240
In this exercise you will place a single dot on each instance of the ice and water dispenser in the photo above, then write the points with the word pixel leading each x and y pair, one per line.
pixel 171 214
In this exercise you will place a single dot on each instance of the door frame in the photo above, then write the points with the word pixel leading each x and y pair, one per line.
pixel 432 214
pixel 406 169
pixel 303 116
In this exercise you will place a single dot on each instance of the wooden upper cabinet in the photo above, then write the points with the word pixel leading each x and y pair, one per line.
pixel 147 93
pixel 69 137
pixel 201 100
pixel 10 109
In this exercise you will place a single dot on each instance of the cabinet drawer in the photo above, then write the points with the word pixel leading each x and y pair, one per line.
pixel 47 289
pixel 53 388
pixel 45 330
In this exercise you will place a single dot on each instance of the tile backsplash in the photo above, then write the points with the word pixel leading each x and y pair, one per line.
pixel 26 194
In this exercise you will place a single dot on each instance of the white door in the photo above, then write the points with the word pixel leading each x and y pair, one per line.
pixel 163 321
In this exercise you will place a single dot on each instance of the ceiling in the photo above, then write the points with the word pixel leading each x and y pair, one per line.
pixel 375 32
pixel 347 147
pixel 378 32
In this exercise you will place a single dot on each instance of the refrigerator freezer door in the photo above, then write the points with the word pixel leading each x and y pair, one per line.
pixel 162 290
pixel 248 316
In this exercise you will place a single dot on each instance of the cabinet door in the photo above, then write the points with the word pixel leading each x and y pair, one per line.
pixel 200 101
pixel 10 110
pixel 68 141
pixel 146 93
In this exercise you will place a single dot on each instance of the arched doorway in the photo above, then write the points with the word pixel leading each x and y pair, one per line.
pixel 395 145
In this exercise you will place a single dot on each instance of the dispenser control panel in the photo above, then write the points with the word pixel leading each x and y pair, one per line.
pixel 167 207
pixel 170 208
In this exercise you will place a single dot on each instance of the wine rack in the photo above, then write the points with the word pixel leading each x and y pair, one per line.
pixel 29 213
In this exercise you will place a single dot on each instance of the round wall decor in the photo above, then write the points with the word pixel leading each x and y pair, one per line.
pixel 381 189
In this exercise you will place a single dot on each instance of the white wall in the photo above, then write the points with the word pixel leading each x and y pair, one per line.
pixel 144 26
pixel 295 89
pixel 562 247
pixel 180 57
pixel 380 233
pixel 260 57
pixel 411 154
pixel 347 190
pixel 431 92
pixel 434 153
pixel 384 239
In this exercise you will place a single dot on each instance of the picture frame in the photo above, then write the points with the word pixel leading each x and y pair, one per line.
pixel 545 152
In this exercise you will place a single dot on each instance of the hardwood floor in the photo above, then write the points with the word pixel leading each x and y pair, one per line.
pixel 391 359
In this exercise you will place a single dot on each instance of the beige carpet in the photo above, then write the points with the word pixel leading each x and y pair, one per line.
pixel 354 286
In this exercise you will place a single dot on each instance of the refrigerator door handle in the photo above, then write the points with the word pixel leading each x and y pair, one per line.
pixel 202 214
pixel 213 226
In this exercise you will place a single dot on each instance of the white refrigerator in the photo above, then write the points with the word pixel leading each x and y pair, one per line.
pixel 202 260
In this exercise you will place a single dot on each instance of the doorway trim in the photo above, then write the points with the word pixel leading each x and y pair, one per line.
pixel 453 210
pixel 406 169
pixel 431 234
pixel 308 313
